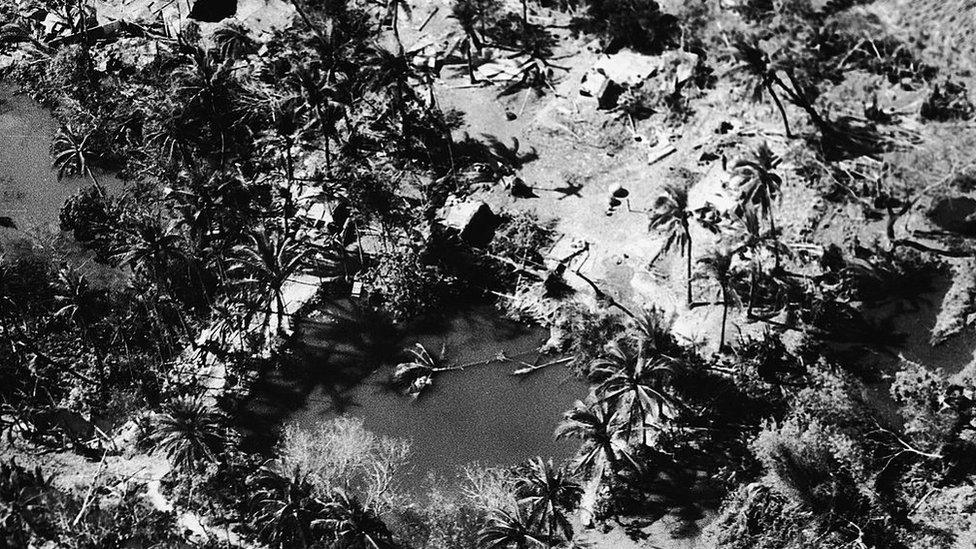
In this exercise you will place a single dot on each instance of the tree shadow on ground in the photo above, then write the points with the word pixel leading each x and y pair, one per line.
pixel 330 356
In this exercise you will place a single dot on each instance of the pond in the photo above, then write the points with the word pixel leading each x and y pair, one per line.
pixel 30 193
pixel 480 414
pixel 343 359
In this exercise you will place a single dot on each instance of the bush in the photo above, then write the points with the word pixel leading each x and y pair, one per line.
pixel 406 287
pixel 342 455
pixel 948 102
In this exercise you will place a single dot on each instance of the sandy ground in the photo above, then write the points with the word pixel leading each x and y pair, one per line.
pixel 577 144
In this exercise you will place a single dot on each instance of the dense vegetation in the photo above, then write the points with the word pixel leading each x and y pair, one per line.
pixel 226 141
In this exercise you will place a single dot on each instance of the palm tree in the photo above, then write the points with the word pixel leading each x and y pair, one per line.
pixel 77 298
pixel 755 62
pixel 319 96
pixel 472 16
pixel 596 423
pixel 634 385
pixel 174 134
pixel 205 87
pixel 509 530
pixel 233 41
pixel 718 266
pixel 152 247
pixel 267 262
pixel 754 243
pixel 285 510
pixel 189 432
pixel 354 526
pixel 548 491
pixel 72 153
pixel 671 216
pixel 761 185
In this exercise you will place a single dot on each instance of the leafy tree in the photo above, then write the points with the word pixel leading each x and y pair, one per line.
pixel 671 216
pixel 92 219
pixel 639 24
pixel 77 300
pixel 189 432
pixel 548 492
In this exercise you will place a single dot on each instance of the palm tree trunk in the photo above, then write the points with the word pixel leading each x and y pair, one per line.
pixel 772 226
pixel 779 105
pixel 725 316
pixel 688 263
pixel 798 97
pixel 752 290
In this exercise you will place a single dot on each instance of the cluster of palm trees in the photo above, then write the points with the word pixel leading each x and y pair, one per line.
pixel 537 518
pixel 760 187
pixel 287 513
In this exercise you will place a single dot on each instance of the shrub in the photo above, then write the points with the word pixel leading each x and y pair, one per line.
pixel 405 286
pixel 948 102
pixel 342 455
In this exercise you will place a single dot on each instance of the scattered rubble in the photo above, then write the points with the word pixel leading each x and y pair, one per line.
pixel 611 75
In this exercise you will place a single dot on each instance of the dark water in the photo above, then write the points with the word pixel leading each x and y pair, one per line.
pixel 30 193
pixel 481 414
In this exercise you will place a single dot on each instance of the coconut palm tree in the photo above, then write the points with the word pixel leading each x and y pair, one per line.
pixel 319 97
pixel 189 432
pixel 755 62
pixel 72 152
pixel 548 492
pixel 152 247
pixel 354 526
pixel 171 136
pixel 472 16
pixel 671 217
pixel 594 422
pixel 285 511
pixel 205 87
pixel 265 264
pixel 761 185
pixel 635 386
pixel 233 41
pixel 77 299
pixel 717 264
pixel 755 242
pixel 509 530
